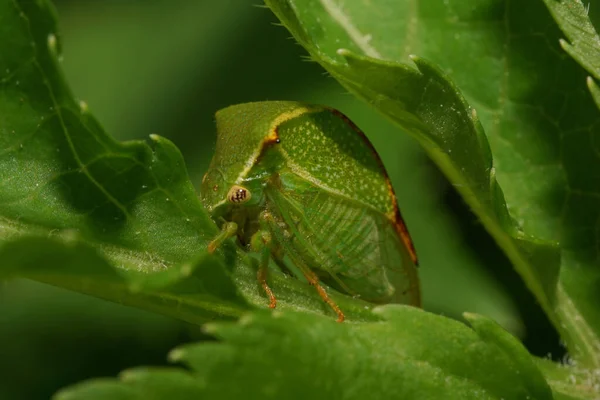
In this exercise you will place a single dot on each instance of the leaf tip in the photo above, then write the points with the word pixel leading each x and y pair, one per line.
pixel 128 375
pixel 70 237
pixel 135 286
pixel 186 270
pixel 469 316
pixel 83 107
pixel 212 329
pixel 380 310
pixel 564 44
pixel 591 84
pixel 52 43
pixel 65 394
pixel 245 320
pixel 176 355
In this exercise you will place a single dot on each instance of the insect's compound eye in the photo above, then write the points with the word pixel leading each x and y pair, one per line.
pixel 238 195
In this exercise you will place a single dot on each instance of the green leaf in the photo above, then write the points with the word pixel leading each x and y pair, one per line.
pixel 120 221
pixel 192 291
pixel 410 355
pixel 584 43
pixel 532 179
pixel 67 186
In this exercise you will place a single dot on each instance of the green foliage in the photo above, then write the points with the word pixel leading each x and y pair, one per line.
pixel 573 19
pixel 121 221
pixel 81 198
pixel 391 359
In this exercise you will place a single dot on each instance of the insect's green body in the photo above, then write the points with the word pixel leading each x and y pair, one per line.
pixel 308 180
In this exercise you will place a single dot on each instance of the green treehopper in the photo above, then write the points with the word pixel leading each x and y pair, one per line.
pixel 303 181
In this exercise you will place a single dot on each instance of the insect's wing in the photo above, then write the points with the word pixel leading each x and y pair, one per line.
pixel 400 268
pixel 352 247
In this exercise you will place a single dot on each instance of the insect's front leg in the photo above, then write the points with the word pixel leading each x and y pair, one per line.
pixel 229 229
pixel 262 242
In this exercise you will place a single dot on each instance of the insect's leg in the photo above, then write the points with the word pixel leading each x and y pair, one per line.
pixel 228 230
pixel 312 278
pixel 261 242
pixel 263 270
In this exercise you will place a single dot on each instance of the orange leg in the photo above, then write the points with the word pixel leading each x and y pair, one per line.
pixel 313 280
pixel 262 279
pixel 261 241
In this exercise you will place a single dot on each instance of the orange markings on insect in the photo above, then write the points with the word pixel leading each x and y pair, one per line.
pixel 269 140
pixel 401 227
pixel 405 236
pixel 272 138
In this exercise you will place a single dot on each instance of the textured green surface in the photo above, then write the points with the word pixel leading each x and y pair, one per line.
pixel 530 98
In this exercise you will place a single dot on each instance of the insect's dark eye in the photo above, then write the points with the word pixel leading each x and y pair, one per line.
pixel 277 140
pixel 238 194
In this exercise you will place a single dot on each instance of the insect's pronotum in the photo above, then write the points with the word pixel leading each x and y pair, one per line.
pixel 289 179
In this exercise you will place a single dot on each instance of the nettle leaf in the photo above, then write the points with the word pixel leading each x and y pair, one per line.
pixel 583 42
pixel 532 176
pixel 115 220
pixel 412 354
pixel 76 207
pixel 573 19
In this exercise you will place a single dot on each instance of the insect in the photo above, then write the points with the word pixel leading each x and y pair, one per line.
pixel 302 181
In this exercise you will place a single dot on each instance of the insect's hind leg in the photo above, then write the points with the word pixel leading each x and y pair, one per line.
pixel 314 281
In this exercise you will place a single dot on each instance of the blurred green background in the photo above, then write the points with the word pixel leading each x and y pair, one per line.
pixel 155 66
